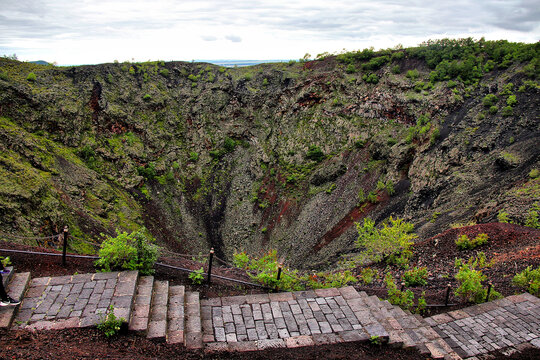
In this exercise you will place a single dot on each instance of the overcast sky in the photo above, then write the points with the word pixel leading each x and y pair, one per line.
pixel 97 31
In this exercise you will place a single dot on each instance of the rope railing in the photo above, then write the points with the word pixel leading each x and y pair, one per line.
pixel 208 260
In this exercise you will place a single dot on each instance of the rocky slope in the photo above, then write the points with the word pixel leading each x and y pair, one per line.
pixel 284 156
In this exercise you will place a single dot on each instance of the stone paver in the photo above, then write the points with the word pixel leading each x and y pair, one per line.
pixel 491 326
pixel 76 300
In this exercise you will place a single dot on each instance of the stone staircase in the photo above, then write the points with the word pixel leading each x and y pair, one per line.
pixel 171 314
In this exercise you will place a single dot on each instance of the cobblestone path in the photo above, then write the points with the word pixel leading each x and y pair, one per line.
pixel 256 322
pixel 76 301
pixel 491 326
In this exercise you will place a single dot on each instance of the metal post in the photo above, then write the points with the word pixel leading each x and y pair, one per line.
pixel 490 285
pixel 279 272
pixel 448 287
pixel 402 286
pixel 64 248
pixel 210 258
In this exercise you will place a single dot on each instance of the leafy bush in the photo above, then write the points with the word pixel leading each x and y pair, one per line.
pixel 511 101
pixel 372 197
pixel 416 276
pixel 193 156
pixel 351 69
pixel 110 325
pixel 502 217
pixel 493 109
pixel 489 100
pixel 463 242
pixel 147 97
pixel 164 72
pixel 403 299
pixel 528 279
pixel 31 77
pixel 197 277
pixel 370 78
pixel 315 153
pixel 470 281
pixel 396 69
pixel 532 220
pixel 367 275
pixel 392 242
pixel 412 74
pixel 507 111
pixel 4 75
pixel 133 251
pixel 534 173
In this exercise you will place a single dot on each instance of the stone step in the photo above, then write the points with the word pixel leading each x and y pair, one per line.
pixel 7 277
pixel 141 307
pixel 157 324
pixel 16 289
pixel 193 329
pixel 175 315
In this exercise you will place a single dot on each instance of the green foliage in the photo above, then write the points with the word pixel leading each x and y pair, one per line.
pixel 396 69
pixel 4 75
pixel 370 78
pixel 133 251
pixel 391 242
pixel 464 243
pixel 507 111
pixel 376 63
pixel 493 109
pixel 470 281
pixel 372 197
pixel 132 70
pixel 148 171
pixel 511 101
pixel 197 276
pixel 5 261
pixel 351 69
pixel 403 299
pixel 416 276
pixel 147 97
pixel 229 144
pixel 412 74
pixel 528 279
pixel 418 86
pixel 315 153
pixel 265 82
pixel 164 72
pixel 451 84
pixel 351 57
pixel 532 220
pixel 193 156
pixel 375 340
pixel 534 173
pixel 88 155
pixel 367 275
pixel 31 77
pixel 110 325
pixel 489 100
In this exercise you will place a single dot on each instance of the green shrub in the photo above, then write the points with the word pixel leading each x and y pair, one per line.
pixel 147 97
pixel 367 275
pixel 403 299
pixel 412 74
pixel 5 261
pixel 507 111
pixel 511 101
pixel 229 145
pixel 451 84
pixel 528 279
pixel 110 325
pixel 193 156
pixel 370 78
pixel 148 171
pixel 391 242
pixel 396 69
pixel 372 197
pixel 132 70
pixel 534 173
pixel 315 153
pixel 197 276
pixel 133 251
pixel 164 72
pixel 4 75
pixel 470 282
pixel 418 86
pixel 416 276
pixel 532 220
pixel 493 109
pixel 502 217
pixel 265 82
pixel 31 77
pixel 463 242
pixel 351 69
pixel 489 100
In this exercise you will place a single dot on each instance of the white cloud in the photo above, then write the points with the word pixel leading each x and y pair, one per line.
pixel 92 31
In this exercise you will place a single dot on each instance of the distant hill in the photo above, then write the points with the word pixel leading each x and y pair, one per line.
pixel 40 62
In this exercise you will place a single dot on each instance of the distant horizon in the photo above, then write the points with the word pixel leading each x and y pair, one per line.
pixel 219 62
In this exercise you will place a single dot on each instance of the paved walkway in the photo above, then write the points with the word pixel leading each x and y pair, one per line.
pixel 491 326
pixel 257 322
pixel 76 301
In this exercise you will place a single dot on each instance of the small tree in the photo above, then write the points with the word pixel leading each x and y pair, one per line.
pixel 392 242
pixel 133 251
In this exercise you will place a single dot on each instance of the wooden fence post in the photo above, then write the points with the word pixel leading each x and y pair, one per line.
pixel 64 248
pixel 210 259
